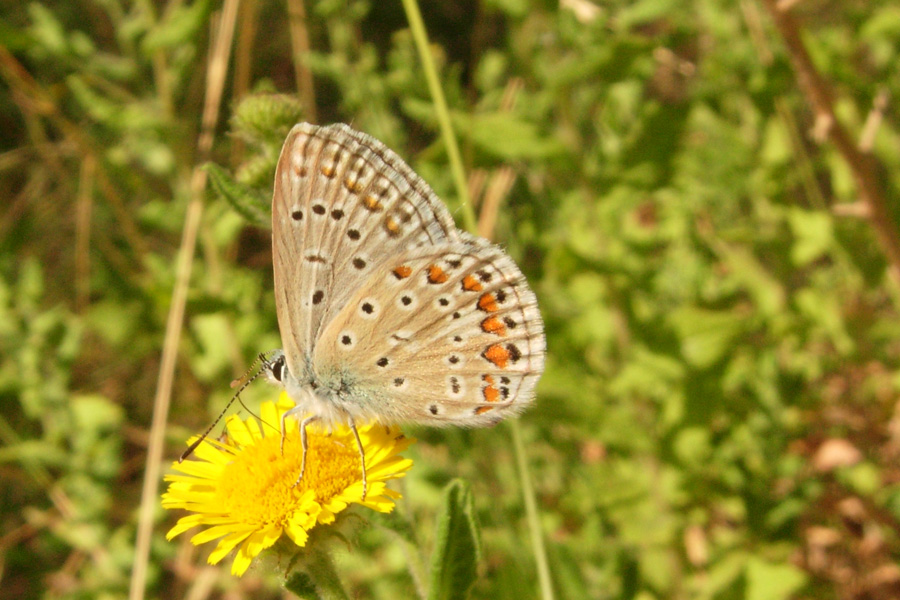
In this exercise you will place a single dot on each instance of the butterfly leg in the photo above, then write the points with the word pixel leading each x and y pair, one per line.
pixel 283 418
pixel 304 444
pixel 362 457
pixel 294 412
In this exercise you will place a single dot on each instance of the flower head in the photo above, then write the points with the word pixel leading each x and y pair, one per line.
pixel 245 488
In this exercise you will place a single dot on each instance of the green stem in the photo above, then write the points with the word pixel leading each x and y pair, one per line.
pixel 421 39
pixel 325 577
pixel 420 36
pixel 534 524
pixel 415 566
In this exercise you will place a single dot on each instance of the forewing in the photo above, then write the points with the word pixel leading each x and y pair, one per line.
pixel 342 202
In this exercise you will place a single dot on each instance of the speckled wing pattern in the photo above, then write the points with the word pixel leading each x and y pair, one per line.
pixel 385 308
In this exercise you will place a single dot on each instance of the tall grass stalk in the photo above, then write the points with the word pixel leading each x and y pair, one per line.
pixel 469 222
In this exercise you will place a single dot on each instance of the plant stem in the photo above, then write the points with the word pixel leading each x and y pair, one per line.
pixel 150 491
pixel 420 36
pixel 862 165
pixel 325 577
pixel 531 513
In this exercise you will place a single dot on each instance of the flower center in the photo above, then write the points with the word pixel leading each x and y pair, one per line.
pixel 257 487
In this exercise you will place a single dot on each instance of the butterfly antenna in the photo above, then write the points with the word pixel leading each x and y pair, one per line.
pixel 261 357
pixel 246 381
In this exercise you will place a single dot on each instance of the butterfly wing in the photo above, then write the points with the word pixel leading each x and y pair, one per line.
pixel 444 334
pixel 342 202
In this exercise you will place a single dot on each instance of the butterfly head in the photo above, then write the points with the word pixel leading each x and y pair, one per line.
pixel 274 368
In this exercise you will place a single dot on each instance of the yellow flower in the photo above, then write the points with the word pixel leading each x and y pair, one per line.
pixel 243 487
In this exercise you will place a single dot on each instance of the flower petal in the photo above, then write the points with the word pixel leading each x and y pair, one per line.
pixel 226 545
pixel 208 535
pixel 243 490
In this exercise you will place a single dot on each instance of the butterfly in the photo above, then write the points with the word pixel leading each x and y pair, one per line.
pixel 386 310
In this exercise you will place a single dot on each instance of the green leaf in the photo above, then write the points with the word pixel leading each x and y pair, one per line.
pixel 864 478
pixel 213 356
pixel 302 585
pixel 706 335
pixel 814 234
pixel 457 546
pixel 178 27
pixel 49 35
pixel 692 446
pixel 771 581
pixel 507 137
pixel 247 201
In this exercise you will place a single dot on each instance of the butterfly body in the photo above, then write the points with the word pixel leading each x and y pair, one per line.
pixel 387 311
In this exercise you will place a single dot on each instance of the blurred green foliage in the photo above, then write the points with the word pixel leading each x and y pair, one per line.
pixel 718 418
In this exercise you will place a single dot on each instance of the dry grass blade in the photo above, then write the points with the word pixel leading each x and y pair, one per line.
pixel 300 43
pixel 214 86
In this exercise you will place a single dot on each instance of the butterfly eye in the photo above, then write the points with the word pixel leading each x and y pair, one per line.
pixel 277 368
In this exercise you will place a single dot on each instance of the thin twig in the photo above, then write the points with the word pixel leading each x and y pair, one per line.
pixel 36 102
pixel 856 210
pixel 503 179
pixel 203 583
pixel 125 220
pixel 873 121
pixel 248 17
pixel 862 165
pixel 754 21
pixel 498 188
pixel 84 204
pixel 215 84
pixel 300 44
pixel 161 74
pixel 805 169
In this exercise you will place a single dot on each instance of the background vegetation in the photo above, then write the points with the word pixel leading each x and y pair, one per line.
pixel 702 193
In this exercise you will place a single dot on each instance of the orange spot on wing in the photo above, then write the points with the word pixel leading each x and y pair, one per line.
pixel 497 354
pixel 352 185
pixel 491 394
pixel 493 325
pixel 470 284
pixel 402 272
pixel 327 171
pixel 487 379
pixel 436 274
pixel 487 303
pixel 372 203
pixel 483 409
pixel 391 226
